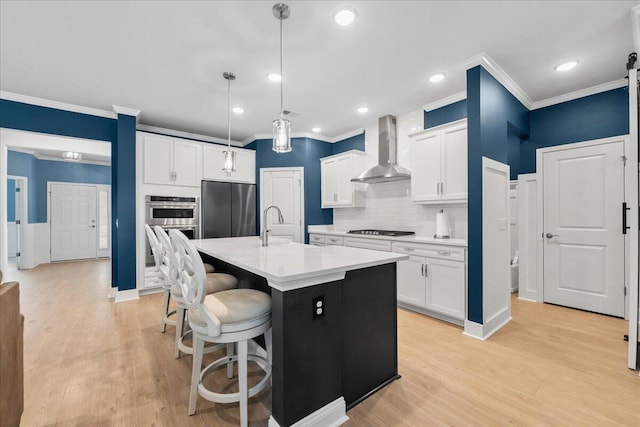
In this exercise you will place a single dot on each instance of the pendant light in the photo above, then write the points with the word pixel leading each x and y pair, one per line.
pixel 281 126
pixel 229 164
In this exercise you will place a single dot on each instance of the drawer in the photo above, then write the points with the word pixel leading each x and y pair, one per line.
pixel 334 240
pixel 452 253
pixel 316 239
pixel 378 245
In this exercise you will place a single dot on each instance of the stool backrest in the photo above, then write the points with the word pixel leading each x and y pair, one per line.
pixel 156 249
pixel 191 278
pixel 168 263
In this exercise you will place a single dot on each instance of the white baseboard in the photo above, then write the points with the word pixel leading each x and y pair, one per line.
pixel 128 295
pixel 330 415
pixel 484 331
pixel 112 292
pixel 526 299
pixel 150 291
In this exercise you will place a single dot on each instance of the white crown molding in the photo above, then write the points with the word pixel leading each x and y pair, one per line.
pixel 22 150
pixel 126 111
pixel 188 135
pixel 25 99
pixel 499 74
pixel 445 101
pixel 635 23
pixel 316 136
pixel 579 94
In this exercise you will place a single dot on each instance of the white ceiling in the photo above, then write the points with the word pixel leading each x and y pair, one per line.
pixel 167 58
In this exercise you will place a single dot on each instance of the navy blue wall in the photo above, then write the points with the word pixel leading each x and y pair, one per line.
pixel 353 143
pixel 39 172
pixel 494 117
pixel 597 116
pixel 23 164
pixel 306 153
pixel 32 118
pixel 11 200
pixel 448 113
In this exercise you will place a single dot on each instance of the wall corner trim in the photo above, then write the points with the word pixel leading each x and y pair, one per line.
pixel 112 292
pixel 128 295
pixel 482 332
pixel 445 101
pixel 635 22
pixel 499 74
pixel 41 102
pixel 332 414
pixel 126 111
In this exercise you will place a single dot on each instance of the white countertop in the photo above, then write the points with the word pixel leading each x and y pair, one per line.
pixel 288 265
pixel 328 229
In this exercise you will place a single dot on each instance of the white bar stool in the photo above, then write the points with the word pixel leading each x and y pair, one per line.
pixel 170 266
pixel 156 249
pixel 227 317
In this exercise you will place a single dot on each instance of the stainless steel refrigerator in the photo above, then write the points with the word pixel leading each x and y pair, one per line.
pixel 227 209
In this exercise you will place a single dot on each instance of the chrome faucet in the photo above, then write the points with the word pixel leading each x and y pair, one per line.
pixel 264 235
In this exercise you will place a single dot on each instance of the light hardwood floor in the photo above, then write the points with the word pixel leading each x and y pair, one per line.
pixel 91 362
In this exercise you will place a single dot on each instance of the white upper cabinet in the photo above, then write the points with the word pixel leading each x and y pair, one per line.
pixel 439 164
pixel 171 161
pixel 213 159
pixel 336 171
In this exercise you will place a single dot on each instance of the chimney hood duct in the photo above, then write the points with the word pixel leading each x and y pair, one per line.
pixel 387 169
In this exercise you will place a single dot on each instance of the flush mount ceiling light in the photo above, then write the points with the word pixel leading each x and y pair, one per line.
pixel 436 78
pixel 281 126
pixel 344 16
pixel 316 130
pixel 71 156
pixel 274 77
pixel 362 110
pixel 566 66
pixel 229 163
pixel 238 110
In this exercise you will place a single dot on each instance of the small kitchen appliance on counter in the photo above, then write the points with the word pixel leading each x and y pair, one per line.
pixel 390 233
pixel 442 225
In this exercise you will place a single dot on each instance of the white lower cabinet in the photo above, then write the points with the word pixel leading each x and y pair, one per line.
pixel 433 279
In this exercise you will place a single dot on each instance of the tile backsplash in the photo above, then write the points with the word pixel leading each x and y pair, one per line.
pixel 389 207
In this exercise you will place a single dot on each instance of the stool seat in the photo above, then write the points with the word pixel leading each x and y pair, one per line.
pixel 208 268
pixel 232 308
pixel 215 282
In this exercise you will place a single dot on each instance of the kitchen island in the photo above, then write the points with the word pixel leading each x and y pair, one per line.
pixel 324 361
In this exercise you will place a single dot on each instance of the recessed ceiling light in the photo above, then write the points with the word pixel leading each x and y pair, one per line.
pixel 437 78
pixel 316 130
pixel 274 77
pixel 565 66
pixel 238 110
pixel 362 110
pixel 344 16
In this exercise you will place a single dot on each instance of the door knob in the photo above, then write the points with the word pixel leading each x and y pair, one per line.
pixel 92 226
pixel 550 236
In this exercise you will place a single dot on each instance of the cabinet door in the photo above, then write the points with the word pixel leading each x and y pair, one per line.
pixel 411 282
pixel 328 187
pixel 454 163
pixel 186 159
pixel 344 186
pixel 212 162
pixel 245 167
pixel 158 160
pixel 425 167
pixel 446 287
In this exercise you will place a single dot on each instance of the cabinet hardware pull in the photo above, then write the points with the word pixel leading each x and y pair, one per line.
pixel 442 188
pixel 625 227
pixel 438 187
pixel 422 271
pixel 409 249
pixel 426 270
pixel 444 253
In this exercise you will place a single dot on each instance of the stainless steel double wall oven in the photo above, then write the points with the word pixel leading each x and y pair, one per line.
pixel 169 212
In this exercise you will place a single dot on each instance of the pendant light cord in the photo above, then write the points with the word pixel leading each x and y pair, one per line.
pixel 229 111
pixel 281 75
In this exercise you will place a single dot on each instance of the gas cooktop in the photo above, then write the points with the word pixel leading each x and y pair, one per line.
pixel 392 233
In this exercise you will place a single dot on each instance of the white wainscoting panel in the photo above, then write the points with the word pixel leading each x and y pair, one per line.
pixel 528 237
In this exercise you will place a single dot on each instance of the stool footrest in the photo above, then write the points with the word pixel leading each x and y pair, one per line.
pixel 187 349
pixel 212 396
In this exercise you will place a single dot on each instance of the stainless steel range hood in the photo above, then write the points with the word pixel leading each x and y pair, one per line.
pixel 387 169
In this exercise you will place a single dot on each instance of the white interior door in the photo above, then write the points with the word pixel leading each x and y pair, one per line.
pixel 73 222
pixel 583 191
pixel 282 188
